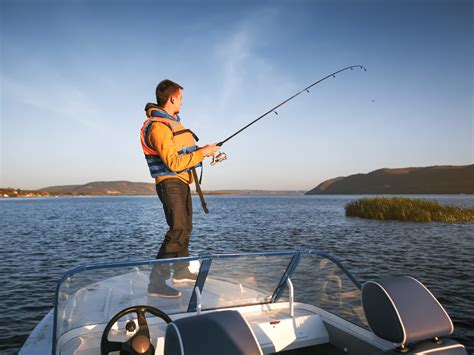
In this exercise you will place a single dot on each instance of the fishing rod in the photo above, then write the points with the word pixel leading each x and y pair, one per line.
pixel 222 156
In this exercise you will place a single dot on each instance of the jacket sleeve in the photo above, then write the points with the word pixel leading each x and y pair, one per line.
pixel 160 138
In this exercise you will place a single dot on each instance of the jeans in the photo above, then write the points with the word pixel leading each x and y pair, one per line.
pixel 175 196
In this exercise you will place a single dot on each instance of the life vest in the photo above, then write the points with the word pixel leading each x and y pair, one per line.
pixel 184 141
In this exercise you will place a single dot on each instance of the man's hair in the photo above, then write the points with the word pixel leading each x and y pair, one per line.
pixel 164 90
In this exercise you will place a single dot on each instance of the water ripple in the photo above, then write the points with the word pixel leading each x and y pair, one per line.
pixel 42 238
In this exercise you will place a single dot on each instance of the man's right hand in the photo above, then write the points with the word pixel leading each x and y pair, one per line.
pixel 209 150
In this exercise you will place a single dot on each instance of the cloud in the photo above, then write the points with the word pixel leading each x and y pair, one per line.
pixel 61 101
pixel 234 54
pixel 238 53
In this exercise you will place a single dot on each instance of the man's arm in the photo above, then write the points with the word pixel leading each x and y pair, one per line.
pixel 160 137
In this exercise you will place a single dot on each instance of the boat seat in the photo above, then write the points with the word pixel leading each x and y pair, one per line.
pixel 403 311
pixel 225 332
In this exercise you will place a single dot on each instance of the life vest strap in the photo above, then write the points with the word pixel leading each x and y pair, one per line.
pixel 177 133
pixel 158 168
pixel 199 191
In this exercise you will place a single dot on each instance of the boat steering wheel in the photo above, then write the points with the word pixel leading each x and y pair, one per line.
pixel 140 342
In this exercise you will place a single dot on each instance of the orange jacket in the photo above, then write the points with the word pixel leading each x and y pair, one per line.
pixel 170 149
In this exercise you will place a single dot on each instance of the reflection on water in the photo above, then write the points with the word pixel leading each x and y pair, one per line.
pixel 43 238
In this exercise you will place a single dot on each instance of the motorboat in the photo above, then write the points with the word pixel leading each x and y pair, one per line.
pixel 288 302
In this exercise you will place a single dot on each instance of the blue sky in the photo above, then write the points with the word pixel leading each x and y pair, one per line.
pixel 75 76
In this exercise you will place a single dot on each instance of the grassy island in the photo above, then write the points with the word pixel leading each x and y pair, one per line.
pixel 407 209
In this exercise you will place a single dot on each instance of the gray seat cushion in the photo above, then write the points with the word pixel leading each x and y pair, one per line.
pixel 224 332
pixel 402 310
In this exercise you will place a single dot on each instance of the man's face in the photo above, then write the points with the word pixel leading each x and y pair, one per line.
pixel 177 101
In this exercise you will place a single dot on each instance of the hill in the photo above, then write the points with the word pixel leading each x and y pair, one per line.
pixel 117 188
pixel 103 188
pixel 427 180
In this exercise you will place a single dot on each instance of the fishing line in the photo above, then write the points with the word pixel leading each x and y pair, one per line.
pixel 222 156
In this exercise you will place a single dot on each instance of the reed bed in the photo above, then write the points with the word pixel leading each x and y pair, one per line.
pixel 407 209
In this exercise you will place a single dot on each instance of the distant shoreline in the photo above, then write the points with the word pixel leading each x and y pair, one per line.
pixel 435 180
pixel 225 194
pixel 35 194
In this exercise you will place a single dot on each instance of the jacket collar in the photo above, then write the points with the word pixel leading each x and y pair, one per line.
pixel 153 110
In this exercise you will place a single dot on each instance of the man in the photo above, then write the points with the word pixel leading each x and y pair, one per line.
pixel 171 153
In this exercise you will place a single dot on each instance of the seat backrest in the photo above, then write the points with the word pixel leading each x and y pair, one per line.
pixel 225 332
pixel 402 310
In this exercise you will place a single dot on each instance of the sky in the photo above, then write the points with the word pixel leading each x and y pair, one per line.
pixel 76 75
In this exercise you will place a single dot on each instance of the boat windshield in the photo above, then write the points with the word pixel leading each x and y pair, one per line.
pixel 88 297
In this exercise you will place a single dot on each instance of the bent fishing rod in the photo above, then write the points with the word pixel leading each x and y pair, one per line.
pixel 222 156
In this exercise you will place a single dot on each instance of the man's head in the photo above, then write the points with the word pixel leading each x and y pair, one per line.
pixel 169 95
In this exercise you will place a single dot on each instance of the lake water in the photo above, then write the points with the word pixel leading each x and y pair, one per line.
pixel 42 238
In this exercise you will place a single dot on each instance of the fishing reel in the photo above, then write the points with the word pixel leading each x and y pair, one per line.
pixel 217 158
